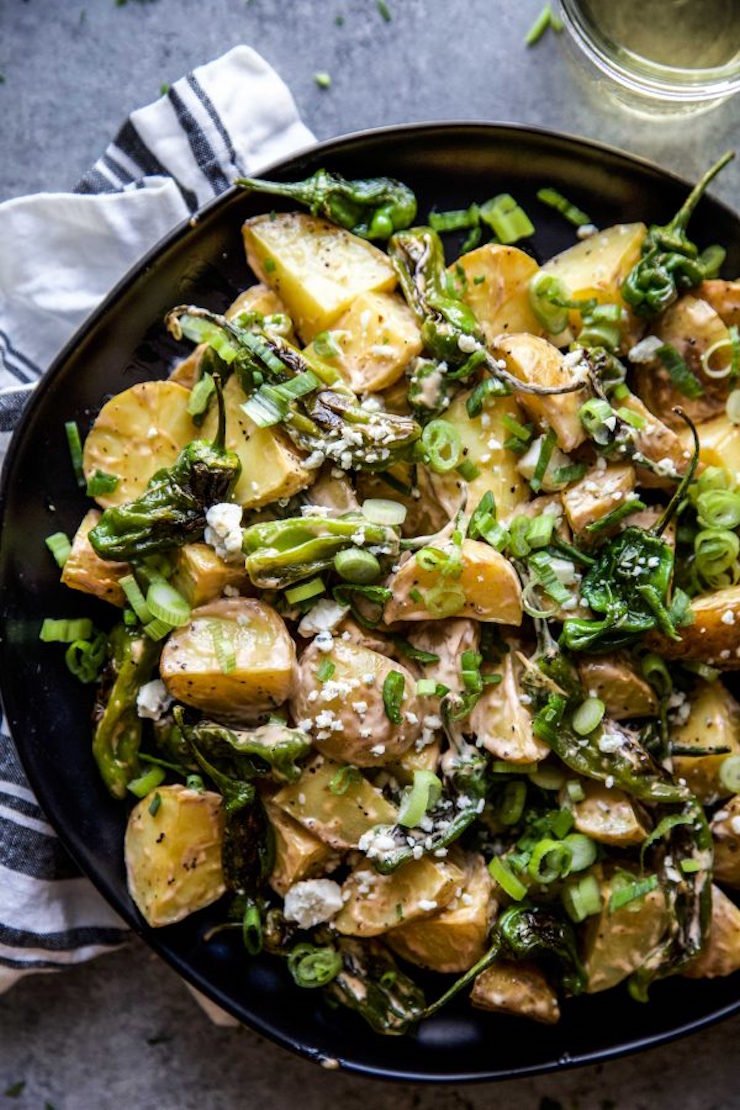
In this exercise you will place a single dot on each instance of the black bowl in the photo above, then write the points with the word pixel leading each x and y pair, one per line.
pixel 124 342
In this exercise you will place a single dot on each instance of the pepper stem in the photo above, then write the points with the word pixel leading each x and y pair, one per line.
pixel 682 217
pixel 674 503
pixel 460 984
pixel 302 191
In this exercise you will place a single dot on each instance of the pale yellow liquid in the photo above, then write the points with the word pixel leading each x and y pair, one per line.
pixel 683 34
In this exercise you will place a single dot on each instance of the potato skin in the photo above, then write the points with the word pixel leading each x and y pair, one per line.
pixel 625 693
pixel 615 944
pixel 535 360
pixel 519 989
pixel 84 569
pixel 265 660
pixel 709 639
pixel 372 901
pixel 607 816
pixel 713 722
pixel 173 855
pixel 724 297
pixel 726 867
pixel 299 853
pixel 500 296
pixel 339 696
pixel 721 955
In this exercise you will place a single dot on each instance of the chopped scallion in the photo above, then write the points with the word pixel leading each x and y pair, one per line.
pixel 60 546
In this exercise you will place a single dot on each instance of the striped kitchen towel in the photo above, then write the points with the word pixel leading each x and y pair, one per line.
pixel 62 252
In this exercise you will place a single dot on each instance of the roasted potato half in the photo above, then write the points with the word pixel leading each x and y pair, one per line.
pixel 173 853
pixel 299 853
pixel 721 955
pixel 496 286
pixel 84 569
pixel 712 637
pixel 262 651
pixel 725 827
pixel 519 989
pixel 201 575
pixel 135 434
pixel 616 942
pixel 375 903
pixel 713 722
pixel 316 268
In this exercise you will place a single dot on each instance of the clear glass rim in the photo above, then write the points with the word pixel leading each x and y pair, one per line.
pixel 653 79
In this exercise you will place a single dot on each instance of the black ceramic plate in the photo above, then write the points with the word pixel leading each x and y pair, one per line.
pixel 449 165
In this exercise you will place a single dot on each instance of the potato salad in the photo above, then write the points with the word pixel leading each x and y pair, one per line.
pixel 425 565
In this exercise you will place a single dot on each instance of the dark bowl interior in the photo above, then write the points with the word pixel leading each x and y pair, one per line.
pixel 125 342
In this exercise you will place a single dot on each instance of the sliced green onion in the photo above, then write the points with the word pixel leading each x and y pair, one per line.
pixel 155 803
pixel 426 687
pixel 326 346
pixel 582 899
pixel 65 631
pixel 545 19
pixel 540 563
pixel 711 259
pixel 715 553
pixel 719 508
pixel 505 767
pixel 304 591
pixel 520 435
pixel 200 395
pixel 596 416
pixel 195 782
pixel 265 407
pixel 393 691
pixel 471 240
pixel 657 674
pixel 444 599
pixel 506 218
pixel 627 508
pixel 547 447
pixel 135 598
pixel 101 483
pixel 630 892
pixel 684 380
pixel 75 450
pixel 690 866
pixel 583 851
pixel 564 475
pixel 519 537
pixel 575 790
pixel 730 368
pixel 506 879
pixel 300 386
pixel 632 418
pixel 165 603
pixel 547 778
pixel 468 470
pixel 561 204
pixel 411 652
pixel 60 546
pixel 147 782
pixel 459 219
pixel 421 796
pixel 489 387
pixel 381 510
pixel 223 645
pixel 354 564
pixel 157 629
pixel 484 525
pixel 546 296
pixel 345 777
pixel 513 800
pixel 325 670
pixel 85 658
pixel 323 81
pixel 540 530
pixel 600 326
pixel 442 444
pixel 313 967
pixel 550 860
pixel 729 773
pixel 588 716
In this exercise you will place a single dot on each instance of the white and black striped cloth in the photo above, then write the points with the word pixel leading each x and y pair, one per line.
pixel 61 254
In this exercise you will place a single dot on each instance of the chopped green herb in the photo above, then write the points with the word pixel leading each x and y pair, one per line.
pixel 15 1090
pixel 561 204
pixel 325 670
pixel 393 691
pixel 682 377
pixel 164 88
pixel 323 80
pixel 546 19
pixel 269 265
pixel 384 10
pixel 155 804
pixel 101 483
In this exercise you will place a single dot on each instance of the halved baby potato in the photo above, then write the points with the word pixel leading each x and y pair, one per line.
pixel 501 723
pixel 201 575
pixel 724 297
pixel 488 588
pixel 719 442
pixel 496 287
pixel 454 938
pixel 135 434
pixel 84 569
pixel 532 359
pixel 623 691
pixel 173 853
pixel 299 853
pixel 376 339
pixel 712 637
pixel 271 466
pixel 375 903
pixel 607 816
pixel 725 827
pixel 345 714
pixel 315 267
pixel 713 722
pixel 616 942
pixel 262 650
pixel 340 819
pixel 721 955
pixel 596 494
pixel 519 989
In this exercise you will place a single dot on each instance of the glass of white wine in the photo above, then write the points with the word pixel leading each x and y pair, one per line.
pixel 666 56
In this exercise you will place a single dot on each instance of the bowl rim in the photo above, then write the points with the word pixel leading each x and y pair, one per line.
pixel 190 974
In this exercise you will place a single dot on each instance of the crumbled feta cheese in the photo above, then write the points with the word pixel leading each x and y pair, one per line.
pixel 324 616
pixel 324 640
pixel 153 700
pixel 378 749
pixel 224 530
pixel 728 617
pixel 427 905
pixel 610 742
pixel 735 825
pixel 312 902
pixel 468 344
pixel 645 350
pixel 585 231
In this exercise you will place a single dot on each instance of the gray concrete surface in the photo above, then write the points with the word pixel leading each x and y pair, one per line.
pixel 123 1031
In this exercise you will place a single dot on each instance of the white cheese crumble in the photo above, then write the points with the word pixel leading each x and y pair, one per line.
pixel 735 825
pixel 324 616
pixel 644 351
pixel 224 530
pixel 609 742
pixel 312 902
pixel 153 700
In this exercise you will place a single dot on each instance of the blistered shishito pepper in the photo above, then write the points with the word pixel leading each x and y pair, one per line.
pixel 172 510
pixel 449 329
pixel 117 731
pixel 523 933
pixel 305 396
pixel 670 262
pixel 372 207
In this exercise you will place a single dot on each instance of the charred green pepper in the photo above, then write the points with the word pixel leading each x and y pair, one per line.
pixel 372 207
pixel 172 510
